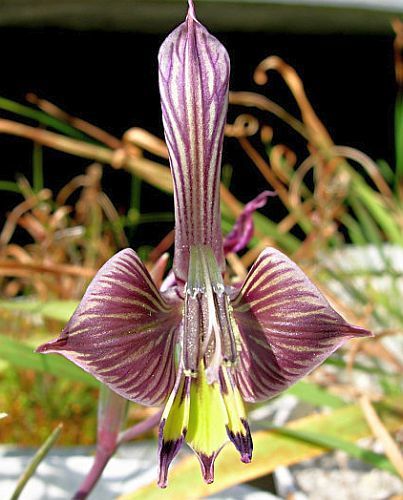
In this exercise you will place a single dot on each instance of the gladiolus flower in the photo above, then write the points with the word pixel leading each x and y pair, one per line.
pixel 200 347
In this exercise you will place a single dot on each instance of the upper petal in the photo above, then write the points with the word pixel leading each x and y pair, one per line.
pixel 123 332
pixel 287 327
pixel 193 81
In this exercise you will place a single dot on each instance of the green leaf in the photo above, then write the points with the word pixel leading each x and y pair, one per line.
pixel 61 310
pixel 11 186
pixel 387 172
pixel 36 460
pixel 22 355
pixel 340 363
pixel 312 393
pixel 335 443
pixel 399 137
pixel 376 208
pixel 354 230
pixel 369 227
pixel 42 118
pixel 37 168
pixel 271 449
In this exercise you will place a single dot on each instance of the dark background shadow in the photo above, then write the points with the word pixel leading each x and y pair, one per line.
pixel 110 79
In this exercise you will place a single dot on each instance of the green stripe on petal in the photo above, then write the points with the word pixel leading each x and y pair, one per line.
pixel 176 413
pixel 207 422
pixel 237 427
pixel 173 426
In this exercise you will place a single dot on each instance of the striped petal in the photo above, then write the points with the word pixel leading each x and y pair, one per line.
pixel 206 416
pixel 237 427
pixel 193 81
pixel 287 327
pixel 208 422
pixel 242 232
pixel 123 332
pixel 173 426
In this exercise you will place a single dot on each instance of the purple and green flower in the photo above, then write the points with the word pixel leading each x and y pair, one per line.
pixel 199 346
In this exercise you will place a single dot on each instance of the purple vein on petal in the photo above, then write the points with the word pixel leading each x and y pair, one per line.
pixel 193 77
pixel 287 327
pixel 123 332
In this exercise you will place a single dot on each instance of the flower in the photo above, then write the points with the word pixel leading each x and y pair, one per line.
pixel 199 346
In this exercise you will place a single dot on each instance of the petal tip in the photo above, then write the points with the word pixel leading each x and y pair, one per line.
pixel 191 10
pixel 358 332
pixel 162 480
pixel 167 452
pixel 242 442
pixel 52 346
pixel 207 466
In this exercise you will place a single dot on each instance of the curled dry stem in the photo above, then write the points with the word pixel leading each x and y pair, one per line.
pixel 152 172
pixel 82 125
pixel 18 211
pixel 379 430
pixel 318 133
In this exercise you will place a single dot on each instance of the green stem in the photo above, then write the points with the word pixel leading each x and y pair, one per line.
pixel 37 459
pixel 42 118
pixel 10 186
pixel 399 139
pixel 37 168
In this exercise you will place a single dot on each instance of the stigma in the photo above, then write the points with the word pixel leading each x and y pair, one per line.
pixel 210 334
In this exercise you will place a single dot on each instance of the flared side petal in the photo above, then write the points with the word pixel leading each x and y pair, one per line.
pixel 287 327
pixel 193 82
pixel 123 332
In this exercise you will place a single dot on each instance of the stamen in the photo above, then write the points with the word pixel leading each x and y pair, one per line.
pixel 209 332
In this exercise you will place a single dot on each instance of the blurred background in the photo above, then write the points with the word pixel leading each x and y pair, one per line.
pixel 84 173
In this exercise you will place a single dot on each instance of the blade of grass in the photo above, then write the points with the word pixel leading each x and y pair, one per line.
pixel 60 310
pixel 11 186
pixel 37 168
pixel 354 230
pixel 135 203
pixel 21 355
pixel 381 214
pixel 370 229
pixel 36 460
pixel 270 451
pixel 312 393
pixel 340 363
pixel 399 138
pixel 42 118
pixel 380 431
pixel 226 175
pixel 356 295
pixel 335 443
pixel 387 172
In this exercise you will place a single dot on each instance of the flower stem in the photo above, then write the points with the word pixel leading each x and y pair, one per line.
pixel 138 429
pixel 103 455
